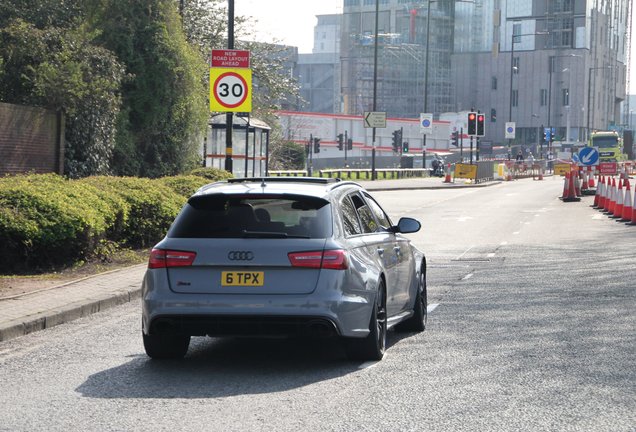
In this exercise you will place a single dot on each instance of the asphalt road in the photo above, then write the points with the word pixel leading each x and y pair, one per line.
pixel 533 329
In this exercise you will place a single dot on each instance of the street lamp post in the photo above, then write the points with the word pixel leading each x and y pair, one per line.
pixel 550 68
pixel 512 68
pixel 375 85
pixel 589 91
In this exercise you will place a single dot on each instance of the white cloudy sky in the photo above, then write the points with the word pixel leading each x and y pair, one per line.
pixel 292 22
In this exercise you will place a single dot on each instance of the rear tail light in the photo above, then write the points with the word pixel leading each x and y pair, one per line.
pixel 329 259
pixel 160 258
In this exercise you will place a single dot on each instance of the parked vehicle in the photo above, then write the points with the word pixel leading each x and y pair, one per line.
pixel 283 256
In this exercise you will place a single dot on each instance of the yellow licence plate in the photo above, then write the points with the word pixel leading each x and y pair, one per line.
pixel 242 278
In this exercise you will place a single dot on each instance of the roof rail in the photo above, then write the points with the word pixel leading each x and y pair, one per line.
pixel 316 180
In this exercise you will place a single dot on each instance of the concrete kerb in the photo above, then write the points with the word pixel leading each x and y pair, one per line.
pixel 74 300
pixel 119 288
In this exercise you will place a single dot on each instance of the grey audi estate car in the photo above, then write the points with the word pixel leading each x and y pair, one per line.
pixel 283 256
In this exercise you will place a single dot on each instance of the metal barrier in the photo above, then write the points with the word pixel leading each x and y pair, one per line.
pixel 289 173
pixel 393 173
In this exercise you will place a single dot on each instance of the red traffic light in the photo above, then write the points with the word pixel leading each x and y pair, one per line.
pixel 480 118
pixel 472 123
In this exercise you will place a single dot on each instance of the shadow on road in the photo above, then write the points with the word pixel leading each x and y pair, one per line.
pixel 226 367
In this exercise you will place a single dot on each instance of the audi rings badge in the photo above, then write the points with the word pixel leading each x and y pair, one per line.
pixel 240 255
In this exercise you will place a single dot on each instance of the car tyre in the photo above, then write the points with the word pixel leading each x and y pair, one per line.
pixel 166 346
pixel 372 346
pixel 417 322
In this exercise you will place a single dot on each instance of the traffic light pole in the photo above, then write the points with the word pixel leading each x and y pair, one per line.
pixel 310 150
pixel 346 144
pixel 471 149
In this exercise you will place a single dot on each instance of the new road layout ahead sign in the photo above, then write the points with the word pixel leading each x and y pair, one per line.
pixel 230 81
pixel 374 119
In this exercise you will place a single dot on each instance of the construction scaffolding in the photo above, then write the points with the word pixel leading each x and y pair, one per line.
pixel 402 42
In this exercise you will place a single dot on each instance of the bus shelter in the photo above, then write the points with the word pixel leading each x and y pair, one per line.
pixel 250 145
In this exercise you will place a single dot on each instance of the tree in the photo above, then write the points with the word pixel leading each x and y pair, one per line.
pixel 62 70
pixel 165 100
pixel 205 27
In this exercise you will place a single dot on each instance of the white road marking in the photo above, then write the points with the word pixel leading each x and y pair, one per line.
pixel 490 255
pixel 516 232
pixel 465 252
pixel 503 243
pixel 468 276
pixel 432 307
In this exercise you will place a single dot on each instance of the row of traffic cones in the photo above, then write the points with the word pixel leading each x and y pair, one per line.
pixel 615 199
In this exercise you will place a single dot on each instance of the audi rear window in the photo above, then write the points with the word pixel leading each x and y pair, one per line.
pixel 232 216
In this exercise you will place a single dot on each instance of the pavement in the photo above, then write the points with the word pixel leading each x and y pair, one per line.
pixel 37 310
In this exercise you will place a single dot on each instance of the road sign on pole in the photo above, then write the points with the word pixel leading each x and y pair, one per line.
pixel 426 123
pixel 374 119
pixel 230 90
pixel 588 156
pixel 510 130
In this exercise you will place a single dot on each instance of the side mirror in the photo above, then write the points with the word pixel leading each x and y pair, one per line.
pixel 407 225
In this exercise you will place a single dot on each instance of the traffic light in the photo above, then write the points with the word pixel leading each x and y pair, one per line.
pixel 472 123
pixel 481 127
pixel 493 115
pixel 349 144
pixel 397 140
pixel 546 135
pixel 405 147
pixel 316 145
pixel 455 139
pixel 340 139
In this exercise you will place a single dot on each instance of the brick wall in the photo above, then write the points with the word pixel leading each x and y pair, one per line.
pixel 31 140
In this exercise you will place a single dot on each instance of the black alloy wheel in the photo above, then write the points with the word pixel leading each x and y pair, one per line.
pixel 417 321
pixel 373 346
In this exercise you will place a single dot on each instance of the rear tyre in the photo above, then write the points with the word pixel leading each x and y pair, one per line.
pixel 372 346
pixel 417 322
pixel 166 346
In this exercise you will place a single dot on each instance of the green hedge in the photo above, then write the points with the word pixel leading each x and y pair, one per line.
pixel 47 221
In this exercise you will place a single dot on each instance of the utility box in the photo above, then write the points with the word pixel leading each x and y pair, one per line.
pixel 406 162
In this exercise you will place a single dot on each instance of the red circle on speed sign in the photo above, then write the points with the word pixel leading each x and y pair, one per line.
pixel 230 89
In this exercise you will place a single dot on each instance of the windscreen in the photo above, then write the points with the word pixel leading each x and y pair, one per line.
pixel 605 142
pixel 226 216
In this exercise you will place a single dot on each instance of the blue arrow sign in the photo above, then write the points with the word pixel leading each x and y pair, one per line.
pixel 588 156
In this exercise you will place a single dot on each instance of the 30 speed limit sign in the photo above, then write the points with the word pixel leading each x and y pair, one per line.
pixel 230 90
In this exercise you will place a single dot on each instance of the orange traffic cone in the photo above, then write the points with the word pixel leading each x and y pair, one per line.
pixel 584 185
pixel 608 195
pixel 566 184
pixel 570 189
pixel 618 208
pixel 612 200
pixel 447 179
pixel 577 183
pixel 628 208
pixel 591 175
pixel 633 222
pixel 597 197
